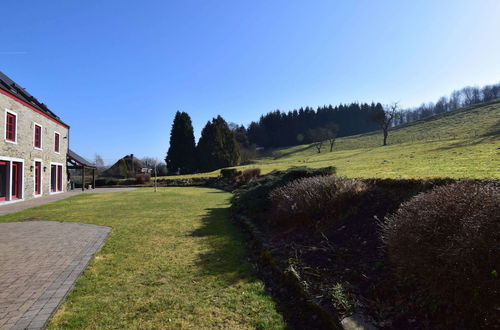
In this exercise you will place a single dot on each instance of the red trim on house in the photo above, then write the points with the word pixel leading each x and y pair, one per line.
pixel 57 145
pixel 33 108
pixel 5 179
pixel 38 136
pixel 38 178
pixel 53 178
pixel 16 180
pixel 59 178
pixel 10 127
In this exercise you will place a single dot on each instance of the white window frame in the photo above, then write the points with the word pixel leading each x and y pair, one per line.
pixel 41 135
pixel 50 181
pixel 35 160
pixel 57 152
pixel 9 187
pixel 5 126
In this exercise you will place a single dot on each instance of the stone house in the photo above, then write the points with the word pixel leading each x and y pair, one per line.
pixel 33 147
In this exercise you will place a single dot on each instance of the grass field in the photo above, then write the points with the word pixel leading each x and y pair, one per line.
pixel 464 143
pixel 173 260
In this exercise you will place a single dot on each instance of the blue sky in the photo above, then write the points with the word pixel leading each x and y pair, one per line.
pixel 117 71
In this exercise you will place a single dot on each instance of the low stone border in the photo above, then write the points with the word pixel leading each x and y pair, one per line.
pixel 292 281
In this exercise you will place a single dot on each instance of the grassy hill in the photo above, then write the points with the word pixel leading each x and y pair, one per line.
pixel 464 143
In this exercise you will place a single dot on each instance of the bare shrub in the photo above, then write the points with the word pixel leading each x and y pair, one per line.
pixel 446 241
pixel 309 201
pixel 248 175
pixel 229 173
pixel 142 178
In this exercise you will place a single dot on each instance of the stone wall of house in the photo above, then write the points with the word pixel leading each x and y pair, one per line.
pixel 25 148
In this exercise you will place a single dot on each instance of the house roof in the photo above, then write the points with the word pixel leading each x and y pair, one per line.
pixel 19 93
pixel 79 159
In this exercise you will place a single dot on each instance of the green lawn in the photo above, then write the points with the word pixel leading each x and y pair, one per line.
pixel 464 143
pixel 173 260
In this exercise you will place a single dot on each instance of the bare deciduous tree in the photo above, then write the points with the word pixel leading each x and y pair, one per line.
pixel 321 134
pixel 331 131
pixel 99 163
pixel 317 137
pixel 455 100
pixel 150 162
pixel 468 94
pixel 153 165
pixel 384 118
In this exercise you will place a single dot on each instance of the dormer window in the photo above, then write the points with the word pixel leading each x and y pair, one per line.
pixel 57 142
pixel 10 127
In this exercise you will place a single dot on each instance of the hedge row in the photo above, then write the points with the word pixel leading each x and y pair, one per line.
pixel 442 236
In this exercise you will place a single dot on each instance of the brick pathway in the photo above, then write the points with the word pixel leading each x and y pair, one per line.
pixel 39 264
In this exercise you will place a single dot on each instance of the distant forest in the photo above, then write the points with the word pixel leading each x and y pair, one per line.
pixel 281 129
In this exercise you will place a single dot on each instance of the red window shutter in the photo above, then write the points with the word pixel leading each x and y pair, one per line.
pixel 38 136
pixel 56 141
pixel 10 128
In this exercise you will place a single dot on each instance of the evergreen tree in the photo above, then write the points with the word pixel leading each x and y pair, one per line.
pixel 241 136
pixel 217 147
pixel 181 154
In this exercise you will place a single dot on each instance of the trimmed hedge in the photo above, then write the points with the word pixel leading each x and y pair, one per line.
pixel 447 242
pixel 253 198
pixel 316 201
pixel 106 182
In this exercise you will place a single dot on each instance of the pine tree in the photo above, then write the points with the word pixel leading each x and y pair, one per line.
pixel 217 147
pixel 181 155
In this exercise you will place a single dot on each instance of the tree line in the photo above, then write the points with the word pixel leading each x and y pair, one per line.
pixel 216 148
pixel 466 96
pixel 281 129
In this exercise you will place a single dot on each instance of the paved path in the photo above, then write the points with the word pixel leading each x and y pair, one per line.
pixel 39 264
pixel 14 207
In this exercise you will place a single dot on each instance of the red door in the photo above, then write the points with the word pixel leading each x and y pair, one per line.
pixel 16 180
pixel 53 178
pixel 4 180
pixel 38 178
pixel 59 178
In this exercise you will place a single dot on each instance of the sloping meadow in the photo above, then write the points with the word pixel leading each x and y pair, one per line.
pixel 404 253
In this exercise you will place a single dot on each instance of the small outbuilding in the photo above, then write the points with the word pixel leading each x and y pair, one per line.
pixel 77 162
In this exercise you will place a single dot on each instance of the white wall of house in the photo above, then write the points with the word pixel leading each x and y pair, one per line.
pixel 24 146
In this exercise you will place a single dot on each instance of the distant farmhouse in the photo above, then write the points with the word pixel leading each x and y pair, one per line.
pixel 125 167
pixel 33 148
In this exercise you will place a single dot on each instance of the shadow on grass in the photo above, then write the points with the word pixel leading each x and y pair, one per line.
pixel 229 261
pixel 226 258
pixel 494 130
pixel 467 143
pixel 216 192
pixel 286 154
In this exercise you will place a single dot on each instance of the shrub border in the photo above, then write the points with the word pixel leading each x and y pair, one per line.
pixel 292 282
